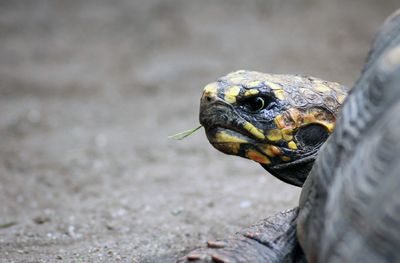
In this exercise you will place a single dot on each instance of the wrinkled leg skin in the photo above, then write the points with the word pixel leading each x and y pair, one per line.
pixel 271 240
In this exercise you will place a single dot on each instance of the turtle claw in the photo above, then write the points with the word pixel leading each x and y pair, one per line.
pixel 271 240
pixel 198 255
pixel 195 256
pixel 220 259
pixel 207 255
pixel 216 244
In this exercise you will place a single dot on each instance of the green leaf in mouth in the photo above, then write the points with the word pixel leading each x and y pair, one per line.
pixel 184 134
pixel 8 224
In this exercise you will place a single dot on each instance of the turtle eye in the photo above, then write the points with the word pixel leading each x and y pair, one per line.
pixel 255 104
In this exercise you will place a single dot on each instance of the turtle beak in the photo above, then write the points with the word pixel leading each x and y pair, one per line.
pixel 213 110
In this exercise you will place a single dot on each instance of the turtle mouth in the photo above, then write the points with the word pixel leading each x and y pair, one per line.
pixel 307 158
pixel 223 117
pixel 232 135
pixel 228 140
pixel 236 142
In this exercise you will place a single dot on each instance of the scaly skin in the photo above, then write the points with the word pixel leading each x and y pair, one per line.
pixel 279 121
pixel 350 203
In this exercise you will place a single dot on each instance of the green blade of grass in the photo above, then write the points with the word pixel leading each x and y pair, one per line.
pixel 183 135
pixel 8 224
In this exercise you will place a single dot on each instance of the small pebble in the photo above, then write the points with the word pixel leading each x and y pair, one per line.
pixel 177 211
pixel 41 220
pixel 245 204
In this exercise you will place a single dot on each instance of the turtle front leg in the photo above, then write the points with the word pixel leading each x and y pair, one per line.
pixel 271 240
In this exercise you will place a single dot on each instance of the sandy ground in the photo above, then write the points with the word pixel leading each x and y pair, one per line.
pixel 89 91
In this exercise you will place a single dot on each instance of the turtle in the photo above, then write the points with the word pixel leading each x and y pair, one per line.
pixel 342 150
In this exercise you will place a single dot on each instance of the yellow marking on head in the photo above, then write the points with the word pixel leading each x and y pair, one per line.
pixel 225 137
pixel 280 122
pixel 211 89
pixel 292 145
pixel 296 116
pixel 287 134
pixel 271 150
pixel 229 142
pixel 274 135
pixel 279 94
pixel 253 84
pixel 275 150
pixel 329 126
pixel 254 130
pixel 341 98
pixel 309 118
pixel 231 93
pixel 319 118
pixel 273 86
pixel 251 92
pixel 285 158
pixel 235 147
pixel 321 87
pixel 258 157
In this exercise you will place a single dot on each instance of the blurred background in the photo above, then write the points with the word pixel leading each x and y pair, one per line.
pixel 90 90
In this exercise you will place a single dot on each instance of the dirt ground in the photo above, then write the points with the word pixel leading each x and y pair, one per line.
pixel 90 90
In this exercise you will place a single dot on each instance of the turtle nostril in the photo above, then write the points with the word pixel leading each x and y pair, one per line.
pixel 208 97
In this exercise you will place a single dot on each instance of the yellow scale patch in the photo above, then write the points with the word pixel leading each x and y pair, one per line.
pixel 274 135
pixel 251 92
pixel 285 158
pixel 280 122
pixel 254 131
pixel 327 125
pixel 321 87
pixel 315 117
pixel 292 145
pixel 279 94
pixel 211 89
pixel 258 157
pixel 271 150
pixel 309 118
pixel 296 116
pixel 273 86
pixel 253 84
pixel 341 98
pixel 224 137
pixel 235 142
pixel 287 134
pixel 231 93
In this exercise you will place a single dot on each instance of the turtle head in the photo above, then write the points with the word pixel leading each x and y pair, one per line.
pixel 279 121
